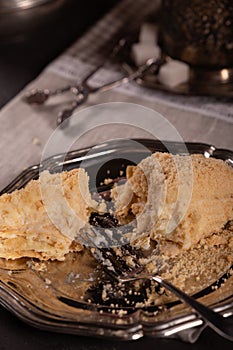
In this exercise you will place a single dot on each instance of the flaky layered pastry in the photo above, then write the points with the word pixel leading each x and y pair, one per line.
pixel 42 219
pixel 177 200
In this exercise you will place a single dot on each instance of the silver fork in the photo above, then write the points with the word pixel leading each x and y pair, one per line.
pixel 120 261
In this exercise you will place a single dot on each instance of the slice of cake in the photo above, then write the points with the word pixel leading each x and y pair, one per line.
pixel 42 219
pixel 176 200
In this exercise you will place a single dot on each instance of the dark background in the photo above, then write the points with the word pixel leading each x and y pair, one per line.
pixel 27 45
pixel 29 41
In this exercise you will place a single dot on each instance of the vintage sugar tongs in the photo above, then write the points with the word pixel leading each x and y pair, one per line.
pixel 84 89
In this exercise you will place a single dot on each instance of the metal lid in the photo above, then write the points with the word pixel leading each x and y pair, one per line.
pixel 16 5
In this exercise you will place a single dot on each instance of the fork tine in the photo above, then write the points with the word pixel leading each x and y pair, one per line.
pixel 92 242
pixel 117 260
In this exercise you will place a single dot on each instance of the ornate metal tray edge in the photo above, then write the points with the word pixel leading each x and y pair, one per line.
pixel 182 324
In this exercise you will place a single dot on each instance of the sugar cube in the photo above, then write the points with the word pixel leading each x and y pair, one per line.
pixel 173 73
pixel 141 52
pixel 148 33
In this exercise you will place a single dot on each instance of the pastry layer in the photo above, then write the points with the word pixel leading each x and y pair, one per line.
pixel 177 200
pixel 42 219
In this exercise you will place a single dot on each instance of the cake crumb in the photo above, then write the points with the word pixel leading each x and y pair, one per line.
pixel 36 141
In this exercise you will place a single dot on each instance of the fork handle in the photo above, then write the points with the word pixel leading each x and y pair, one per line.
pixel 221 325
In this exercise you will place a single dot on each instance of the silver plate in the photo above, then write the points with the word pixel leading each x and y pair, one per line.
pixel 202 81
pixel 49 298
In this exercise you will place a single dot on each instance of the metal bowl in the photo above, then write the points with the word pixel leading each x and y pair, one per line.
pixel 20 18
pixel 199 32
pixel 7 6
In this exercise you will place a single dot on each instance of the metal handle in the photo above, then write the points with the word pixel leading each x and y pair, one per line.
pixel 221 325
pixel 139 73
pixel 65 114
pixel 83 90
